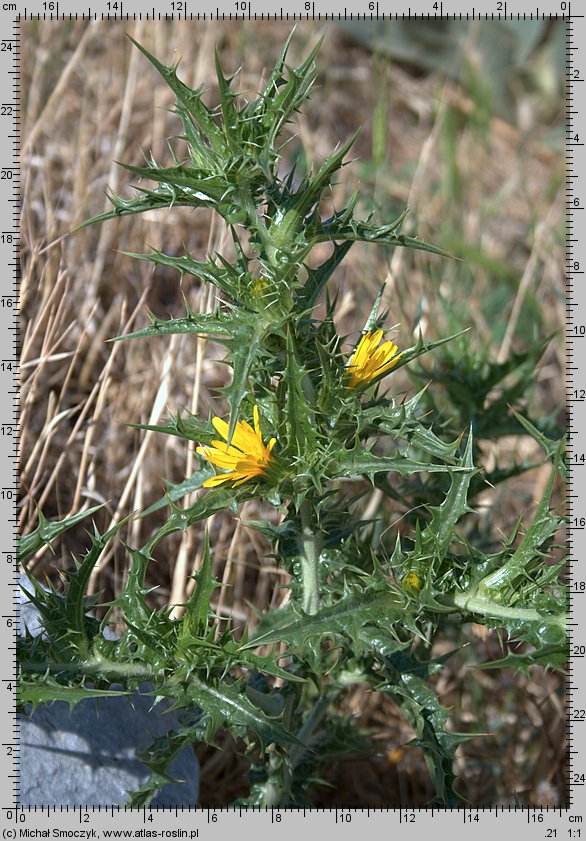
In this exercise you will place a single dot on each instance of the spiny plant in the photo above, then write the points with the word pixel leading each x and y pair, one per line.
pixel 306 420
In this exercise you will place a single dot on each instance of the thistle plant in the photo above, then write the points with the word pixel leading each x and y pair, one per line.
pixel 313 421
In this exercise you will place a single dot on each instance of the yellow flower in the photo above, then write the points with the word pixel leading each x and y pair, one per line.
pixel 259 285
pixel 369 361
pixel 244 458
pixel 411 582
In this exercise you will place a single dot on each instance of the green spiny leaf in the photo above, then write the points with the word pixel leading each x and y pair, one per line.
pixel 158 756
pixel 343 617
pixel 290 98
pixel 298 411
pixel 549 445
pixel 46 690
pixel 422 709
pixel 176 492
pixel 162 198
pixel 197 608
pixel 225 703
pixel 438 535
pixel 132 599
pixel 318 278
pixel 361 462
pixel 243 353
pixel 356 231
pixel 373 318
pixel 216 499
pixel 205 190
pixel 190 99
pixel 264 665
pixel 219 325
pixel 229 112
pixel 422 347
pixel 546 656
pixel 542 528
pixel 48 530
pixel 311 192
pixel 226 279
pixel 77 584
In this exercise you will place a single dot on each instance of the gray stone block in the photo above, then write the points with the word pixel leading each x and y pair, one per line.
pixel 87 756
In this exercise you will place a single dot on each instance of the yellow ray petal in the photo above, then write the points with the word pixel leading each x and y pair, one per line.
pixel 219 479
pixel 369 360
pixel 244 458
pixel 221 426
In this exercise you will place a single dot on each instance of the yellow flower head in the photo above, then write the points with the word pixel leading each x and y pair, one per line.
pixel 259 285
pixel 369 361
pixel 411 582
pixel 244 458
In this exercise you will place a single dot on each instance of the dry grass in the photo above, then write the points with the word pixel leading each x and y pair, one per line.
pixel 89 99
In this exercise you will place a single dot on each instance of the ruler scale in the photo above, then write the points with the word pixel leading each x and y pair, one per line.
pixel 573 268
pixel 94 822
pixel 9 314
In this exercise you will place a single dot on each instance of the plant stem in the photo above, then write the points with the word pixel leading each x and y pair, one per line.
pixel 95 665
pixel 255 219
pixel 310 551
pixel 478 604
pixel 276 786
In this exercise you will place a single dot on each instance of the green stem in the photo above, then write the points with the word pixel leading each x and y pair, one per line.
pixel 310 550
pixel 95 665
pixel 276 790
pixel 255 219
pixel 313 721
pixel 473 603
pixel 276 787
